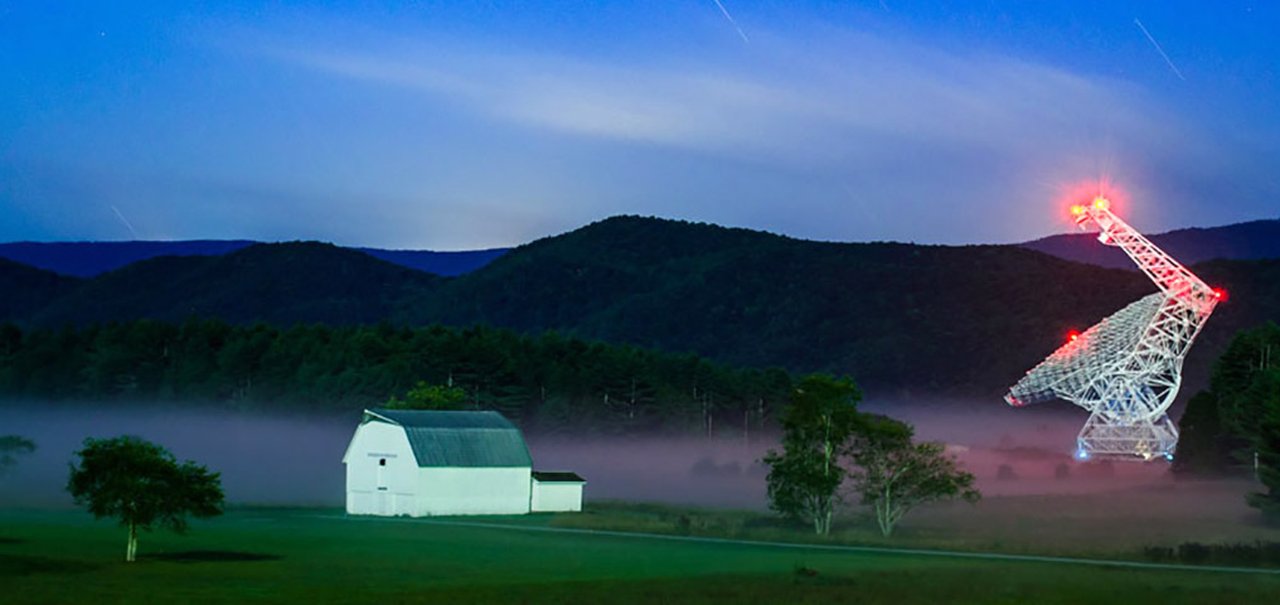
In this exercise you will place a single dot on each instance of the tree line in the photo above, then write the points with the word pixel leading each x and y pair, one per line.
pixel 545 381
pixel 1234 425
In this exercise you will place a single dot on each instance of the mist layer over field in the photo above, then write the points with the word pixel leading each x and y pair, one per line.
pixel 263 458
pixel 1033 446
pixel 296 459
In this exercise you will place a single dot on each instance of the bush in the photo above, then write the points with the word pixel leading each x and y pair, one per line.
pixel 1257 554
pixel 659 519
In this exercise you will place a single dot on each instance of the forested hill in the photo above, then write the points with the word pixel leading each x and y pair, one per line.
pixel 901 318
pixel 25 290
pixel 908 318
pixel 276 283
pixel 1242 241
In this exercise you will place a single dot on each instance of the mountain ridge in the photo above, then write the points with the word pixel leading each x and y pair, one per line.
pixel 90 259
pixel 1251 240
pixel 296 282
pixel 902 318
pixel 1242 241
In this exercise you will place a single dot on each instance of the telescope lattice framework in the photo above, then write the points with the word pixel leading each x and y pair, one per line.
pixel 1126 369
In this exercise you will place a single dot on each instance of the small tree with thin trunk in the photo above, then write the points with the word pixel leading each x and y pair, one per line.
pixel 893 474
pixel 142 485
pixel 804 479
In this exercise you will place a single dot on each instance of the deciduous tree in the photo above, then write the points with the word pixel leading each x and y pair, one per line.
pixel 893 474
pixel 141 484
pixel 804 479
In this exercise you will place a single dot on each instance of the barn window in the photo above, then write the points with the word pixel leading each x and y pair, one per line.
pixel 382 462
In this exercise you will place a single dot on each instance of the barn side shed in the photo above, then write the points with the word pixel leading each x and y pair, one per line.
pixel 556 491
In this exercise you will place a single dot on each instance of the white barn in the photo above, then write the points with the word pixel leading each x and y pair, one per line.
pixel 424 463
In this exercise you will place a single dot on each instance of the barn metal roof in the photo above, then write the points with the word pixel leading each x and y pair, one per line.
pixel 558 477
pixel 458 439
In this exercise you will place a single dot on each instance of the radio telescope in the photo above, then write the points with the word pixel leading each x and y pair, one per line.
pixel 1126 369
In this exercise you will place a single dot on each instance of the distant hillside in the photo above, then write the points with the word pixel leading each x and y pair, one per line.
pixel 897 316
pixel 903 319
pixel 1244 241
pixel 87 259
pixel 90 259
pixel 275 283
pixel 25 290
pixel 440 263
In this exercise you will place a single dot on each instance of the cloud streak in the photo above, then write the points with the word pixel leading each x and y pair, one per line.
pixel 903 125
pixel 410 132
pixel 802 108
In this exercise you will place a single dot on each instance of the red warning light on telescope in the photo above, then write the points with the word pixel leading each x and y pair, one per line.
pixel 1073 336
pixel 1086 198
pixel 1079 211
pixel 1220 294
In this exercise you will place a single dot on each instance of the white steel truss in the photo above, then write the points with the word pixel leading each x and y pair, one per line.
pixel 1126 369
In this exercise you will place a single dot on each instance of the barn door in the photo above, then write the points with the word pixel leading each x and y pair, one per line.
pixel 384 498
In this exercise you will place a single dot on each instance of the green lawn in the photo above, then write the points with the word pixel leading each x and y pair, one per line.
pixel 316 556
pixel 1109 525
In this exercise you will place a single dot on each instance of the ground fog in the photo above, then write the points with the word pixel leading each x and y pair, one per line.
pixel 295 459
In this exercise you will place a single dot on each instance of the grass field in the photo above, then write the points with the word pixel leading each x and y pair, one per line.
pixel 1112 524
pixel 318 556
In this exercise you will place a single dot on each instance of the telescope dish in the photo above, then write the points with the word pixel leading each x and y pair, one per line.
pixel 1126 369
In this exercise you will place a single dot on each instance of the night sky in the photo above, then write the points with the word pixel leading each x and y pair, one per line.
pixel 454 125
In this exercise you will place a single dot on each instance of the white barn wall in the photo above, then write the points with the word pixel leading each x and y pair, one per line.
pixel 473 491
pixel 373 489
pixel 553 496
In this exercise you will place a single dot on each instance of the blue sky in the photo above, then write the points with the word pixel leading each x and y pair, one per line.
pixel 454 125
